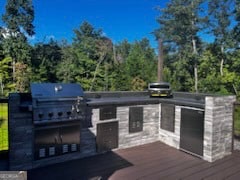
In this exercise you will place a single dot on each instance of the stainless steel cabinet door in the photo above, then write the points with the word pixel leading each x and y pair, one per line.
pixel 191 131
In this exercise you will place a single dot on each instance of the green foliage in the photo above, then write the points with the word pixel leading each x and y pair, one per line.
pixel 99 65
pixel 180 22
pixel 140 64
pixel 75 67
pixel 23 74
pixel 220 13
pixel 45 58
pixel 237 120
pixel 236 29
pixel 5 77
pixel 83 62
pixel 17 48
pixel 19 16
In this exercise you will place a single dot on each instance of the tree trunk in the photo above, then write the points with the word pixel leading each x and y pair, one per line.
pixel 95 72
pixel 196 77
pixel 106 77
pixel 195 66
pixel 222 60
pixel 160 60
pixel 114 54
pixel 195 53
pixel 1 86
pixel 14 70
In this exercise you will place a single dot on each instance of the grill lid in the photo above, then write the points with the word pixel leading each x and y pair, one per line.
pixel 55 90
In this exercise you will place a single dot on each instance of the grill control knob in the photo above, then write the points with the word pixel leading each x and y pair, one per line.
pixel 50 114
pixel 40 115
pixel 60 113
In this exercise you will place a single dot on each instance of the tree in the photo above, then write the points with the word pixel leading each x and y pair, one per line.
pixel 104 47
pixel 220 13
pixel 89 58
pixel 236 29
pixel 5 85
pixel 122 51
pixel 180 22
pixel 140 65
pixel 18 18
pixel 45 58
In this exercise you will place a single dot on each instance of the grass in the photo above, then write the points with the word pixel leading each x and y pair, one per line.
pixel 3 127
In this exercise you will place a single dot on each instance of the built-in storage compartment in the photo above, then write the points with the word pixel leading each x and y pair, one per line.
pixel 135 119
pixel 107 136
pixel 108 112
pixel 192 131
pixel 56 139
pixel 168 117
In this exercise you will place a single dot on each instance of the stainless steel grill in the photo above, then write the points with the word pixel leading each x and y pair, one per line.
pixel 57 102
pixel 58 110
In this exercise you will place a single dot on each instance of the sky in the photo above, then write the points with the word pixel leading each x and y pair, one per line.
pixel 119 19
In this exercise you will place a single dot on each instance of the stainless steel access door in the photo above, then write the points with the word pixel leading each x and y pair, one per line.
pixel 191 131
pixel 57 139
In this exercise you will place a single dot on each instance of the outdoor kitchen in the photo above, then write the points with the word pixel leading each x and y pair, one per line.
pixel 59 122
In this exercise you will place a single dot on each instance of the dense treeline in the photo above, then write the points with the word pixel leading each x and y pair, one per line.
pixel 191 62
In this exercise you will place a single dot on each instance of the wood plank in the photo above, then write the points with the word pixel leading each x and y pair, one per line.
pixel 183 173
pixel 140 170
pixel 212 168
pixel 150 161
pixel 235 176
pixel 173 170
pixel 223 174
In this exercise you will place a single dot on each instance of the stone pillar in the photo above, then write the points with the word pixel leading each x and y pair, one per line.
pixel 20 135
pixel 218 127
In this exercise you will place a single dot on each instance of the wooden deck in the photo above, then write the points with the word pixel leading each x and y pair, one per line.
pixel 151 161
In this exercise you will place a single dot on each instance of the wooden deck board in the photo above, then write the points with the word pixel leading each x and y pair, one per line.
pixel 150 161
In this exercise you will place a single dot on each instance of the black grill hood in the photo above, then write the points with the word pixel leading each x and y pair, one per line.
pixel 56 90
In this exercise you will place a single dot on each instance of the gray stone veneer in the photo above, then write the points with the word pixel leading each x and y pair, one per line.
pixel 150 126
pixel 171 138
pixel 218 126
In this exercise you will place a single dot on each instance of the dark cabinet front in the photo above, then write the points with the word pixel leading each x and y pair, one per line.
pixel 55 140
pixel 168 117
pixel 135 119
pixel 108 112
pixel 192 131
pixel 107 136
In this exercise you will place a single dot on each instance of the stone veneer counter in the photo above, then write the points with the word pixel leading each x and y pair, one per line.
pixel 216 117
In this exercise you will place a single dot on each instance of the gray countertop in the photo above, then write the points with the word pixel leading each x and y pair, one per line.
pixel 141 100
